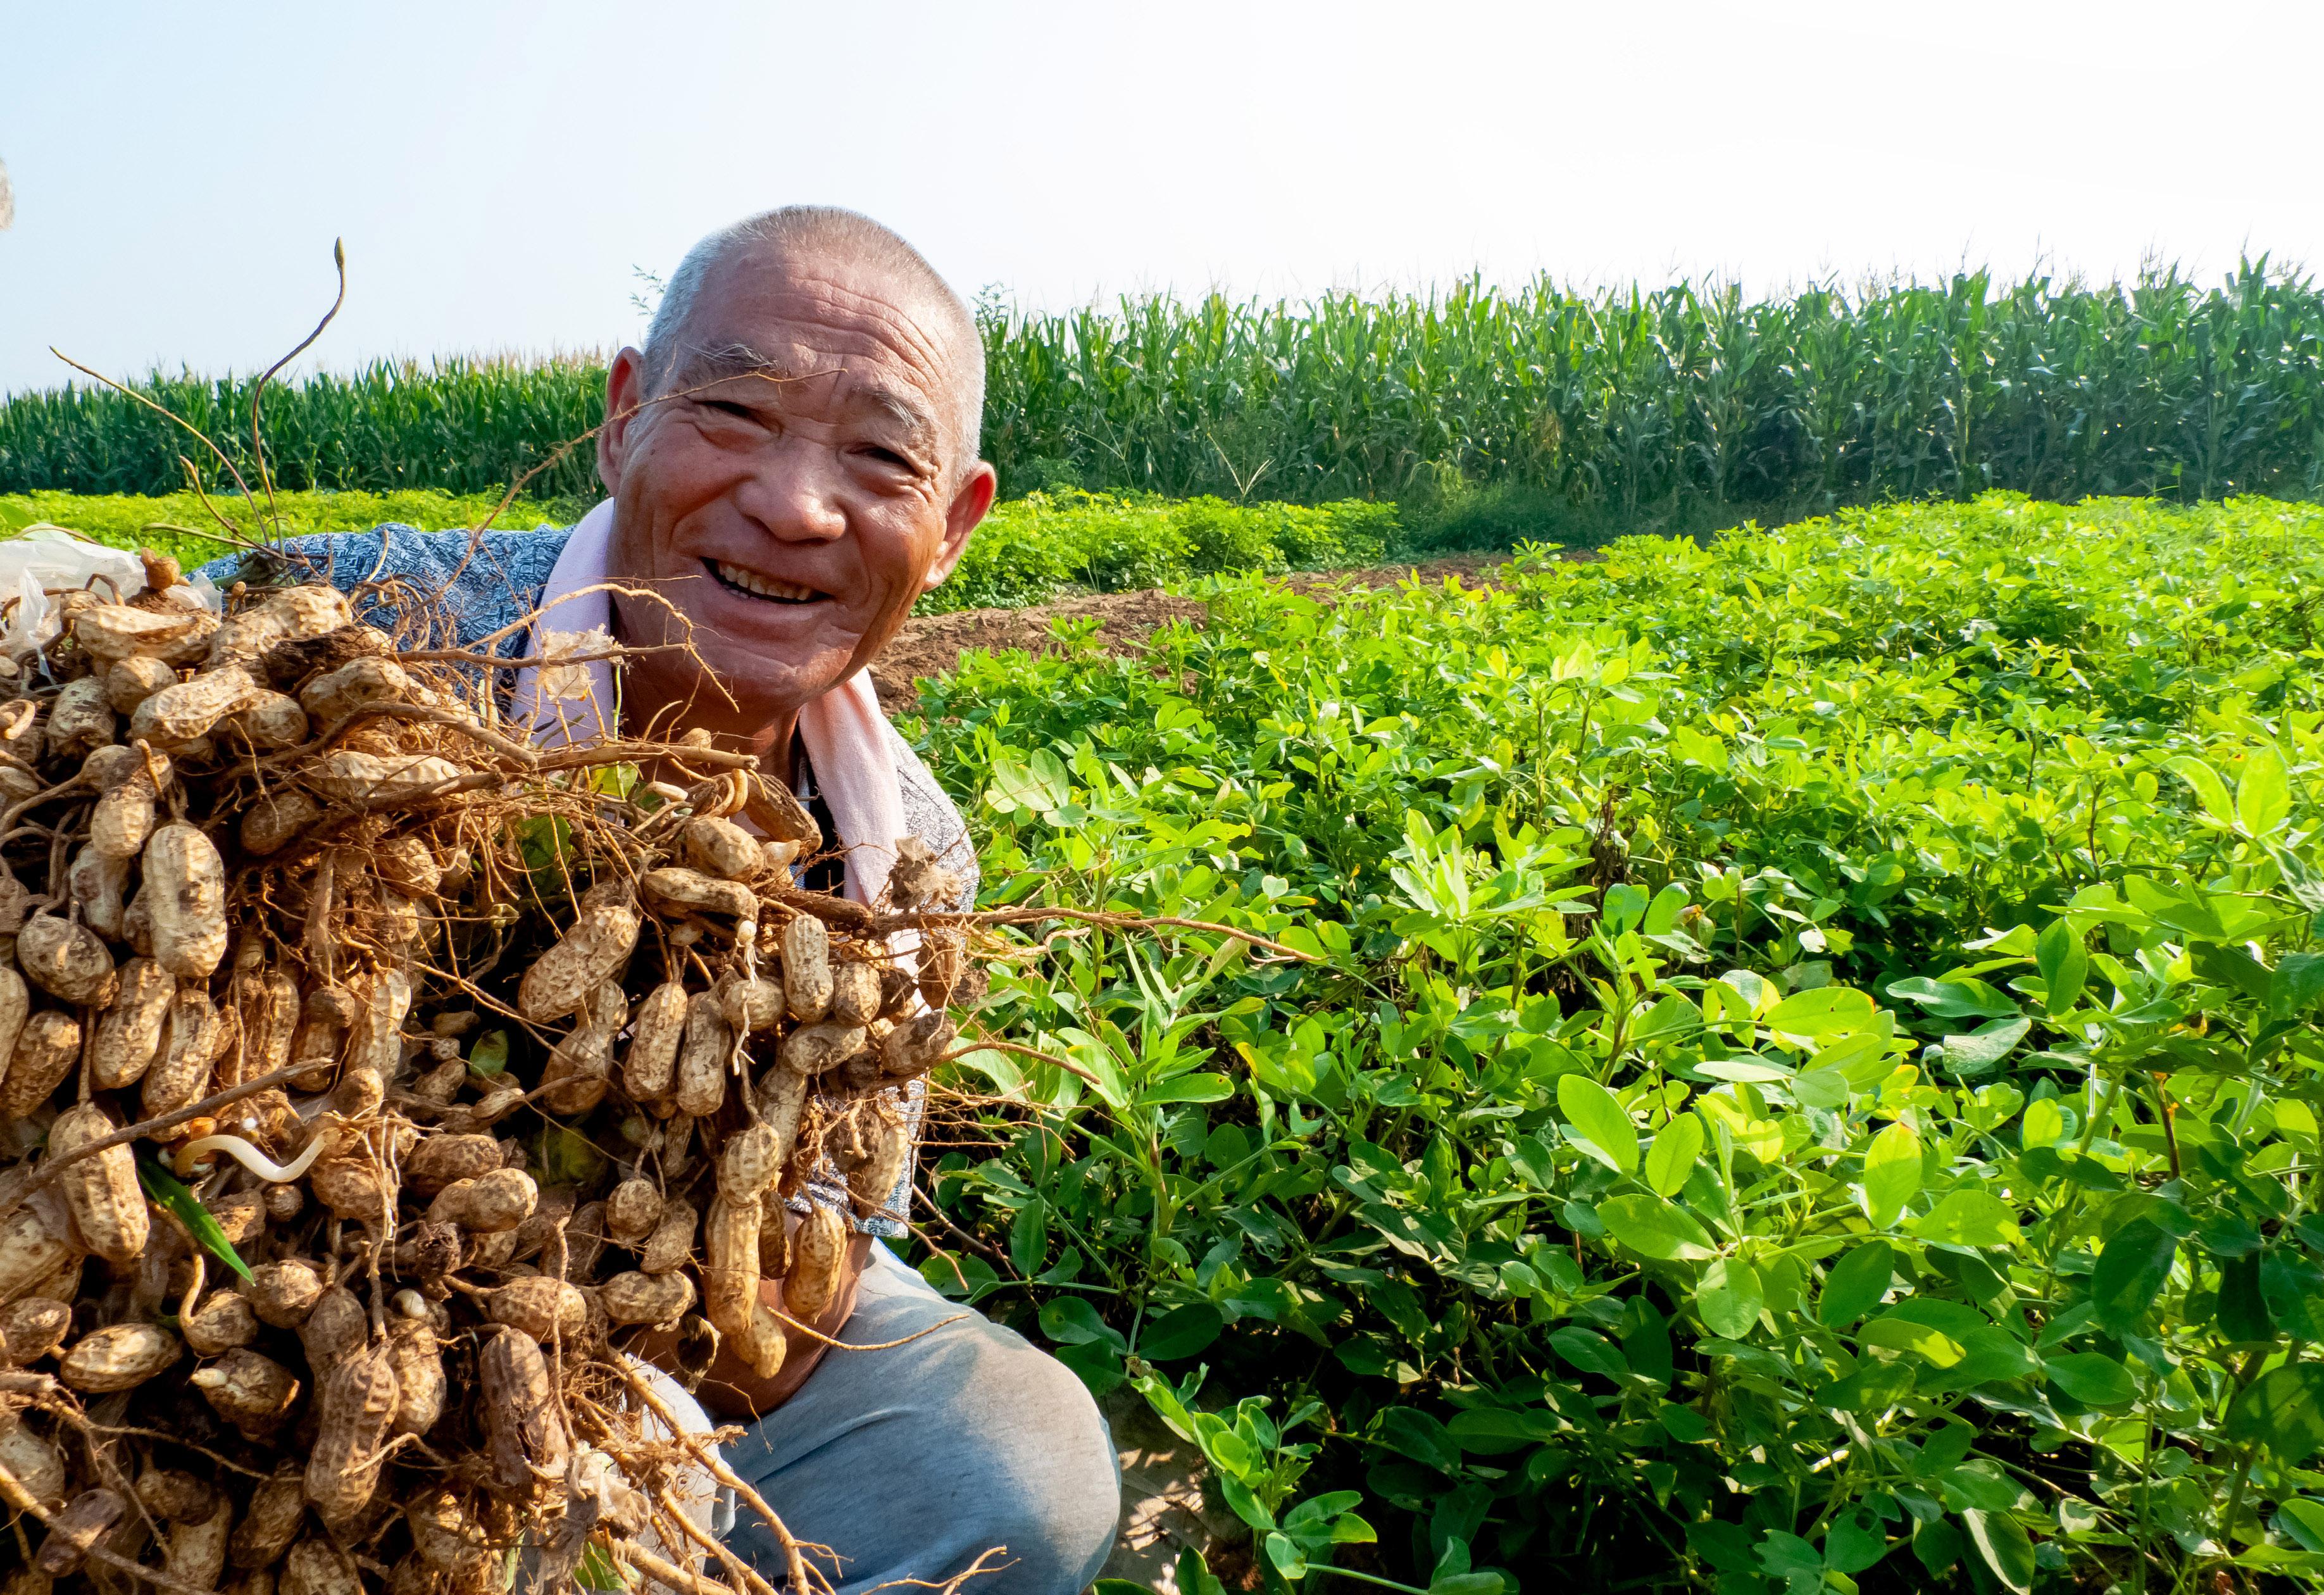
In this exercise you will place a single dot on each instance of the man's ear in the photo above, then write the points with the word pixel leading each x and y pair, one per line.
pixel 625 392
pixel 969 500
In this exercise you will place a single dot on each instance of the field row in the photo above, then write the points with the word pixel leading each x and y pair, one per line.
pixel 1029 550
pixel 1678 402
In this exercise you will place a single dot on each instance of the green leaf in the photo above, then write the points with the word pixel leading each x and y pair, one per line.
pixel 1897 1333
pixel 490 1056
pixel 1786 1556
pixel 1825 1010
pixel 1657 1228
pixel 2065 967
pixel 2304 1520
pixel 1070 1321
pixel 2002 1541
pixel 1493 1431
pixel 1856 1541
pixel 1188 1088
pixel 1981 1048
pixel 1194 1575
pixel 1956 996
pixel 2131 1269
pixel 2209 790
pixel 1182 1331
pixel 169 1192
pixel 1892 1173
pixel 1589 1351
pixel 1731 1298
pixel 1672 1157
pixel 1937 1544
pixel 1607 1132
pixel 1967 1217
pixel 2283 1410
pixel 2242 1314
pixel 597 1571
pixel 1028 1237
pixel 1042 784
pixel 1096 1363
pixel 1855 1284
pixel 1467 1584
pixel 2093 1378
pixel 2297 983
pixel 2263 793
pixel 569 1158
pixel 1420 1437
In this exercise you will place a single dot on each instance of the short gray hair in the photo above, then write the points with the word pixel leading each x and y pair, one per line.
pixel 826 232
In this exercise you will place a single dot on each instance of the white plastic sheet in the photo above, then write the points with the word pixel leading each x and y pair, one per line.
pixel 44 559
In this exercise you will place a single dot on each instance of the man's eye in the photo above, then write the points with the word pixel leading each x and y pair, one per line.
pixel 727 407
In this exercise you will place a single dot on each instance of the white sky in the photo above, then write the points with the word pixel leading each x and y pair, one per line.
pixel 497 170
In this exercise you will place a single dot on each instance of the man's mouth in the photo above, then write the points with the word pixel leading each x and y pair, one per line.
pixel 752 585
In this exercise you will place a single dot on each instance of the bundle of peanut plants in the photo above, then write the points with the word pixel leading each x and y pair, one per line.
pixel 374 1082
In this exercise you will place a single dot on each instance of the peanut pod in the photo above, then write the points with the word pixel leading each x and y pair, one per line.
pixel 102 1189
pixel 596 950
pixel 357 1404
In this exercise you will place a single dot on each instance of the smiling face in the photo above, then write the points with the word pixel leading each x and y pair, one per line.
pixel 788 486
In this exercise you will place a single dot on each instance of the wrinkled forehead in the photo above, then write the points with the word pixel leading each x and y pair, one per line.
pixel 827 332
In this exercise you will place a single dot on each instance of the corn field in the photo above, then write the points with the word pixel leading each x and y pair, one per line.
pixel 1685 396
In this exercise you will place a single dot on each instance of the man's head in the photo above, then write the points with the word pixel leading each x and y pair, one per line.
pixel 793 461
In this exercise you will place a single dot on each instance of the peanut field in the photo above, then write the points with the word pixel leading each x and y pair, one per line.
pixel 1809 1078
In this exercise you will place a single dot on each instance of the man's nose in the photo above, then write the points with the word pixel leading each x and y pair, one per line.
pixel 794 493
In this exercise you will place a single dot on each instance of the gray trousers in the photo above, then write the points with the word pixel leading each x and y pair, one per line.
pixel 911 1462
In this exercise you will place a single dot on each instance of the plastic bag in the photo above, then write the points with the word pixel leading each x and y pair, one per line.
pixel 45 558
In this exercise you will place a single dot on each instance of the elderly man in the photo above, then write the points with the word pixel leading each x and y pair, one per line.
pixel 792 460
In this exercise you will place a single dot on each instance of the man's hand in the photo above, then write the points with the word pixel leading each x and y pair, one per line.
pixel 732 1390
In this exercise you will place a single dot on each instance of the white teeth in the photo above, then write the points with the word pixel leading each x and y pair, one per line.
pixel 765 587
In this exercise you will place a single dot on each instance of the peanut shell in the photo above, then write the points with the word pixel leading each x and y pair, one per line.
pixel 222 1321
pixel 633 1210
pixel 32 1328
pixel 278 1505
pixel 705 1058
pixel 67 961
pixel 720 847
pixel 419 1362
pixel 856 994
pixel 107 1204
pixel 185 893
pixel 523 1429
pixel 596 950
pixel 806 969
pixel 196 1551
pixel 649 1068
pixel 819 1249
pixel 356 1401
pixel 282 1294
pixel 34 1462
pixel 118 1357
pixel 46 1049
pixel 177 715
pixel 129 1033
pixel 544 1308
pixel 638 1297
pixel 440 1159
pixel 671 1244
pixel 275 819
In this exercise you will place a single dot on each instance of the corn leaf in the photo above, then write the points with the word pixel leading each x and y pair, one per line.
pixel 167 1190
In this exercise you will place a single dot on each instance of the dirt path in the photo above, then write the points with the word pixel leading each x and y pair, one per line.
pixel 932 644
